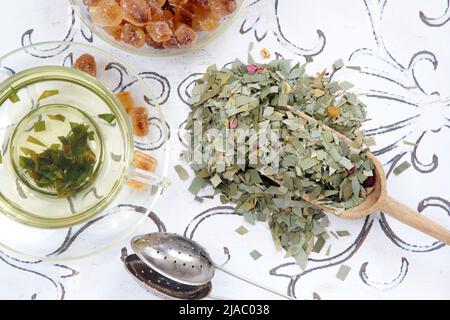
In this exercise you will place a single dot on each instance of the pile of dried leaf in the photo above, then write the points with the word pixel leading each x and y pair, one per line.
pixel 311 161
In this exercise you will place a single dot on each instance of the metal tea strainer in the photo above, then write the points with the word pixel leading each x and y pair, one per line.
pixel 176 266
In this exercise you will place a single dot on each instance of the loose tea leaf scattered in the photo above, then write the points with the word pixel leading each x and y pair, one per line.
pixel 334 234
pixel 255 254
pixel 153 190
pixel 343 272
pixel 338 64
pixel 57 117
pixel 241 230
pixel 196 186
pixel 48 93
pixel 182 173
pixel 198 199
pixel 63 167
pixel 320 242
pixel 402 167
pixel 328 250
pixel 343 233
pixel 301 258
pixel 409 143
pixel 108 117
pixel 312 161
pixel 145 162
pixel 39 126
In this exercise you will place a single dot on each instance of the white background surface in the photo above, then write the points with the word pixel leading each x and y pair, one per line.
pixel 395 85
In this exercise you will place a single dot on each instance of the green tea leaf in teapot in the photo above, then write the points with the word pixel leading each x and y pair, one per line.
pixel 57 117
pixel 14 97
pixel 108 117
pixel 63 167
pixel 33 140
pixel 48 93
pixel 39 126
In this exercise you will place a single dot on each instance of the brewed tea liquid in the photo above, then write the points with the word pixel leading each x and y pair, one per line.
pixel 53 129
pixel 79 100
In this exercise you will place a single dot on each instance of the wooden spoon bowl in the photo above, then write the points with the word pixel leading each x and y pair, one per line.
pixel 371 202
pixel 379 200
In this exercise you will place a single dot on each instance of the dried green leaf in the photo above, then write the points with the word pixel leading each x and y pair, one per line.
pixel 196 185
pixel 182 173
pixel 409 143
pixel 108 117
pixel 312 161
pixel 301 258
pixel 357 68
pixel 13 97
pixel 154 190
pixel 198 199
pixel 215 181
pixel 48 93
pixel 255 254
pixel 345 85
pixel 64 169
pixel 343 272
pixel 320 242
pixel 346 163
pixel 241 230
pixel 39 126
pixel 343 233
pixel 32 139
pixel 338 64
pixel 370 142
pixel 57 117
pixel 401 167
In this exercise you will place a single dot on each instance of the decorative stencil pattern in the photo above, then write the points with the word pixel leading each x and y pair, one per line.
pixel 398 57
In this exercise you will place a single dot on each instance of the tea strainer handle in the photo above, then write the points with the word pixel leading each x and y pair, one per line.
pixel 261 286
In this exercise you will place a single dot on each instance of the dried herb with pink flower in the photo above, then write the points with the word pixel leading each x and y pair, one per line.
pixel 257 98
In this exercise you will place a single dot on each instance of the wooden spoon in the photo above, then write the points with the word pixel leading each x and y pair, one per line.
pixel 378 199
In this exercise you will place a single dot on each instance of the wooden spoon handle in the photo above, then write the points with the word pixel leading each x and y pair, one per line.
pixel 414 219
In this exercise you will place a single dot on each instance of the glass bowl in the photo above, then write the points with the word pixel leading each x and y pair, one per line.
pixel 39 223
pixel 203 38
